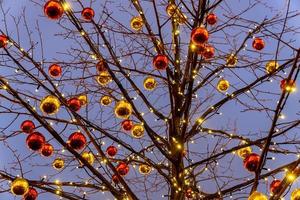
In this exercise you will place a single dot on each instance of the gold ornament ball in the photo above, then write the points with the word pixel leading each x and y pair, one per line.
pixel 104 78
pixel 105 100
pixel 19 186
pixel 50 105
pixel 295 194
pixel 150 83
pixel 174 12
pixel 58 163
pixel 83 99
pixel 137 131
pixel 137 23
pixel 271 66
pixel 223 85
pixel 231 60
pixel 257 196
pixel 123 109
pixel 243 152
pixel 89 157
pixel 145 169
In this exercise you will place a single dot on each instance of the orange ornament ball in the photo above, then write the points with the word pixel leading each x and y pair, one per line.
pixel 88 14
pixel 275 185
pixel 251 162
pixel 74 104
pixel 47 150
pixel 55 70
pixel 27 126
pixel 35 141
pixel 111 151
pixel 258 44
pixel 160 62
pixel 32 194
pixel 209 52
pixel 77 140
pixel 53 10
pixel 127 124
pixel 199 35
pixel 123 169
pixel 3 41
pixel 211 19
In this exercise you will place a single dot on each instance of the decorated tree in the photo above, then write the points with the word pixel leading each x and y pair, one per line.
pixel 148 99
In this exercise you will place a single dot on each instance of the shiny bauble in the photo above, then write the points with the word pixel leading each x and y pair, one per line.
pixel 211 19
pixel 258 44
pixel 150 83
pixel 122 169
pixel 251 162
pixel 223 85
pixel 127 125
pixel 50 105
pixel 27 126
pixel 160 62
pixel 55 70
pixel 287 85
pixel 257 196
pixel 89 157
pixel 35 141
pixel 88 14
pixel 105 100
pixel 74 104
pixel 271 66
pixel 145 169
pixel 137 23
pixel 104 78
pixel 123 109
pixel 53 10
pixel 111 151
pixel 32 194
pixel 58 164
pixel 19 186
pixel 199 35
pixel 47 150
pixel 137 131
pixel 3 41
pixel 77 140
pixel 275 185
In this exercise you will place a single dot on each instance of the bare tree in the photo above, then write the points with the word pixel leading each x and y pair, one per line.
pixel 148 99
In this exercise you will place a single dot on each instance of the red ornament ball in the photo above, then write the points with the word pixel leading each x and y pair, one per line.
pixel 47 150
pixel 209 52
pixel 127 124
pixel 258 44
pixel 211 19
pixel 122 168
pixel 32 194
pixel 111 151
pixel 74 104
pixel 251 162
pixel 27 126
pixel 53 10
pixel 199 35
pixel 288 85
pixel 275 185
pixel 160 62
pixel 55 70
pixel 88 14
pixel 35 141
pixel 3 41
pixel 77 141
pixel 115 179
